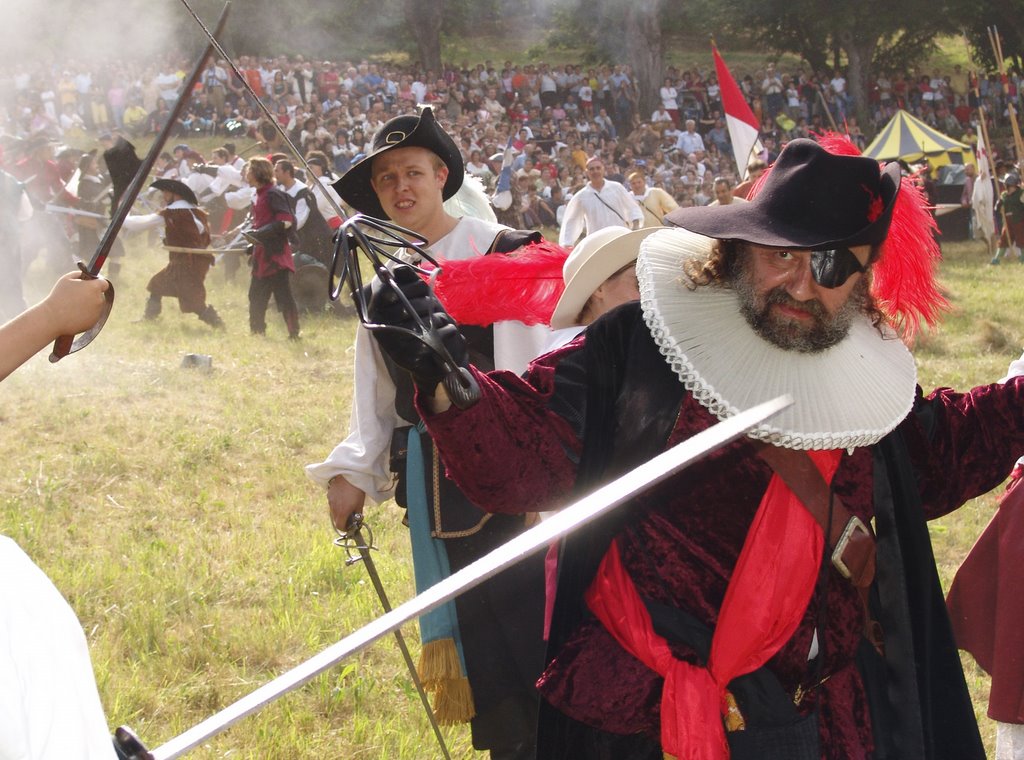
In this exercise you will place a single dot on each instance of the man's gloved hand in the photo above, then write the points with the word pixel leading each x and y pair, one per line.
pixel 266 233
pixel 409 352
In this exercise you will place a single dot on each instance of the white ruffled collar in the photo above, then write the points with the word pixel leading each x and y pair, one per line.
pixel 850 395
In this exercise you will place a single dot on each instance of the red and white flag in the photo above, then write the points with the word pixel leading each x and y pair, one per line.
pixel 742 124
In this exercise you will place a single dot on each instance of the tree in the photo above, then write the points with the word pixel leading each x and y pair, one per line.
pixel 872 34
pixel 644 50
pixel 628 32
pixel 1008 18
pixel 423 19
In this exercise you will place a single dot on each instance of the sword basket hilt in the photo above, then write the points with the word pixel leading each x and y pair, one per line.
pixel 356 538
pixel 128 746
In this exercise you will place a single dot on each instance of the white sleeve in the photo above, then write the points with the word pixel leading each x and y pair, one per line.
pixel 362 458
pixel 24 208
pixel 572 222
pixel 140 222
pixel 327 211
pixel 1016 369
pixel 49 704
pixel 239 199
pixel 301 213
pixel 633 210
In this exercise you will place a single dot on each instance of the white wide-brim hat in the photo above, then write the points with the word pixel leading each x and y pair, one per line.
pixel 593 260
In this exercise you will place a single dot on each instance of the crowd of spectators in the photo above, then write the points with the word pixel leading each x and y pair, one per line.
pixel 556 116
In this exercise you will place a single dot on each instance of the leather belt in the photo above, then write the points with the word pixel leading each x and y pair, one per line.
pixel 851 540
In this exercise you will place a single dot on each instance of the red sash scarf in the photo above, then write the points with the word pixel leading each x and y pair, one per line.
pixel 764 603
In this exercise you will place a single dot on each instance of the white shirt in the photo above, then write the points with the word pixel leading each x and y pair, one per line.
pixel 362 458
pixel 49 705
pixel 327 211
pixel 301 207
pixel 668 98
pixel 689 142
pixel 168 85
pixel 591 210
pixel 139 222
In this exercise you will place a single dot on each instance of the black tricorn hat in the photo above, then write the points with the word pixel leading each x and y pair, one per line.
pixel 810 199
pixel 177 187
pixel 408 131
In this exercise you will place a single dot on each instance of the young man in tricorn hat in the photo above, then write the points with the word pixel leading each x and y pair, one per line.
pixel 186 233
pixel 735 609
pixel 412 168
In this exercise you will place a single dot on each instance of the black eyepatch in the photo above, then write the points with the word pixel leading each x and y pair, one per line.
pixel 832 268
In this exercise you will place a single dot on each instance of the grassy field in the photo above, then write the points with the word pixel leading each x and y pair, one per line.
pixel 169 505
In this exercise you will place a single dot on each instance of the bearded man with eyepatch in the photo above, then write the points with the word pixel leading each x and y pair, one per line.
pixel 779 598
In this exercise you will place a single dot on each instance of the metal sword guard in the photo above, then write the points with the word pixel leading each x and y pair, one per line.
pixel 355 539
pixel 381 242
pixel 69 344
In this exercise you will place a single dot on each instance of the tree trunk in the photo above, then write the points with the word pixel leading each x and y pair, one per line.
pixel 859 52
pixel 644 52
pixel 424 20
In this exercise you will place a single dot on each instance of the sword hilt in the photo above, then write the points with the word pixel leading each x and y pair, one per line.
pixel 128 746
pixel 357 536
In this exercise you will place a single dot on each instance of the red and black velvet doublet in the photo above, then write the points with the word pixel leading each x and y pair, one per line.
pixel 518 450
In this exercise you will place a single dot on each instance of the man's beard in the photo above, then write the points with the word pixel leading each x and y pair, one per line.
pixel 822 332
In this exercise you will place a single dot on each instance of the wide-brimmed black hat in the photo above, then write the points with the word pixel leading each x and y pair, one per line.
pixel 810 199
pixel 177 187
pixel 408 131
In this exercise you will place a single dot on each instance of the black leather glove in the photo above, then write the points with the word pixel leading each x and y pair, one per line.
pixel 266 234
pixel 408 351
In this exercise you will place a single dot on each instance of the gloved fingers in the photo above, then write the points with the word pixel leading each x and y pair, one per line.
pixel 452 339
pixel 404 274
pixel 389 309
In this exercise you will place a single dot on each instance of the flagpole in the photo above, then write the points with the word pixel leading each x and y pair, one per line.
pixel 982 123
pixel 997 49
pixel 994 244
pixel 990 243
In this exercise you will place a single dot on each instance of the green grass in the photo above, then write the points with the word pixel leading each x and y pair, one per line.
pixel 170 507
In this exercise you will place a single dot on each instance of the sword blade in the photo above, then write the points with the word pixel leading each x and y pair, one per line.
pixel 540 536
pixel 52 208
pixel 371 570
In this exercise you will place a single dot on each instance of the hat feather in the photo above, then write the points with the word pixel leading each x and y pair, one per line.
pixel 523 285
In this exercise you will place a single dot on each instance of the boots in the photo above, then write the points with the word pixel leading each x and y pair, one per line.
pixel 1000 252
pixel 153 307
pixel 291 319
pixel 210 316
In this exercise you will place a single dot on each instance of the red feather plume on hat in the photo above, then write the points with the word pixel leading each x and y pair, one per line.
pixel 903 278
pixel 523 285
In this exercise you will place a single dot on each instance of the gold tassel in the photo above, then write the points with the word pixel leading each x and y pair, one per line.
pixel 453 702
pixel 440 671
pixel 733 717
pixel 439 662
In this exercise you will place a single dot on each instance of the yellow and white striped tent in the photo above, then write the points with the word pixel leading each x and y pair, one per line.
pixel 907 137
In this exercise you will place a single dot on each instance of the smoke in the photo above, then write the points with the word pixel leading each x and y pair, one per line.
pixel 62 32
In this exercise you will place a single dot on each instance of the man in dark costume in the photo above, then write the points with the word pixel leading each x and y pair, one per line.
pixel 734 610
pixel 491 643
pixel 273 225
pixel 186 231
